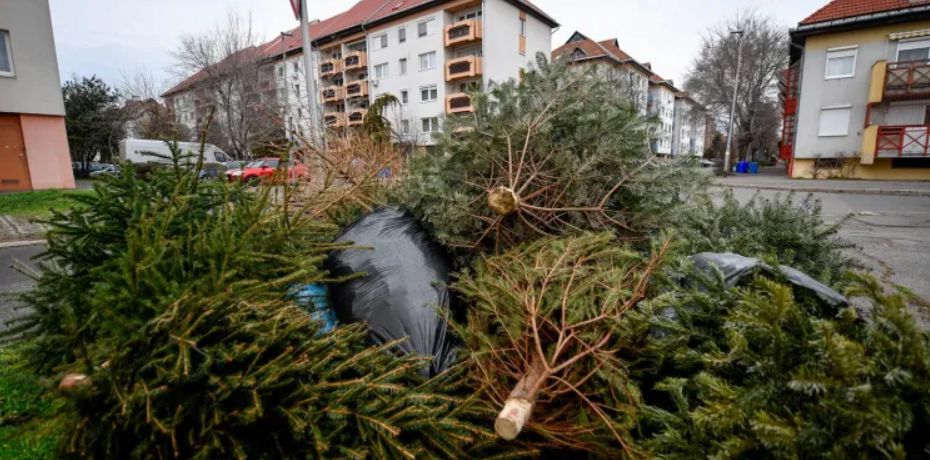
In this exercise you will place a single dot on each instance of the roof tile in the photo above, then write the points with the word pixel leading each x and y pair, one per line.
pixel 842 9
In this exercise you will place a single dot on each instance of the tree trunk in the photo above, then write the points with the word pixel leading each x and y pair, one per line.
pixel 519 406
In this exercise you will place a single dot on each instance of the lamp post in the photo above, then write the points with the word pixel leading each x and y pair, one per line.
pixel 285 112
pixel 739 67
pixel 309 71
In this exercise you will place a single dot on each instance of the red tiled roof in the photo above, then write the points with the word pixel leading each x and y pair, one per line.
pixel 609 49
pixel 842 9
pixel 363 12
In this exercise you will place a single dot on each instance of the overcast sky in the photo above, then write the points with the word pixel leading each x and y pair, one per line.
pixel 108 37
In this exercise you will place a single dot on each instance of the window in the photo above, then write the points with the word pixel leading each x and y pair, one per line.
pixel 379 42
pixel 914 50
pixel 427 27
pixel 281 71
pixel 296 67
pixel 430 125
pixel 472 15
pixel 300 112
pixel 841 62
pixel 404 97
pixel 429 94
pixel 297 90
pixel 381 71
pixel 402 35
pixel 403 66
pixel 6 55
pixel 428 60
pixel 522 27
pixel 405 126
pixel 834 121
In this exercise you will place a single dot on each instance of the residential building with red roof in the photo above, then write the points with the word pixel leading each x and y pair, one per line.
pixel 680 121
pixel 857 94
pixel 427 53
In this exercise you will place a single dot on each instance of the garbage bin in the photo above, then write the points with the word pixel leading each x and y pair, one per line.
pixel 754 168
pixel 742 167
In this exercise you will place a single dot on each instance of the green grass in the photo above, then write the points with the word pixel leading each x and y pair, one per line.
pixel 39 204
pixel 27 429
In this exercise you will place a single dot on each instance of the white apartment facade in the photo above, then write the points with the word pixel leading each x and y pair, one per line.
pixel 689 127
pixel 429 59
pixel 426 53
pixel 662 107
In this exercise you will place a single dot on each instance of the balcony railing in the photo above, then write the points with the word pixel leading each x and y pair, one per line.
pixel 463 67
pixel 459 103
pixel 907 80
pixel 334 119
pixel 357 117
pixel 331 68
pixel 357 89
pixel 467 31
pixel 333 94
pixel 356 61
pixel 903 141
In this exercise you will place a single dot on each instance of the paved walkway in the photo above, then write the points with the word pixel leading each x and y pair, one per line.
pixel 774 179
pixel 15 230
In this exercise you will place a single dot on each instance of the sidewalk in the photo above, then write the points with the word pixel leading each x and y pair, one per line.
pixel 775 179
pixel 19 232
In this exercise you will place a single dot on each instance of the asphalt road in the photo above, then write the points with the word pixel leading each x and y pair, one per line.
pixel 12 281
pixel 892 232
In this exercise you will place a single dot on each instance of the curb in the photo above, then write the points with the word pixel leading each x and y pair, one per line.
pixel 19 244
pixel 847 191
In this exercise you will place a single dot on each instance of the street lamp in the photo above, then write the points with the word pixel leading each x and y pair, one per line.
pixel 285 106
pixel 739 66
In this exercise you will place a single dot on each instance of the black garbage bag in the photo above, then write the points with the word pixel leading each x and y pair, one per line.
pixel 403 293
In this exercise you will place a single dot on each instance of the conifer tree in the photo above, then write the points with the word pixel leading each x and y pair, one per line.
pixel 556 153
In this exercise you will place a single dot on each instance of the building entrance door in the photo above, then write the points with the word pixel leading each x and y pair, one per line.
pixel 14 170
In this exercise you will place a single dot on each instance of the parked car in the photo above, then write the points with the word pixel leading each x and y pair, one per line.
pixel 263 170
pixel 708 164
pixel 213 171
pixel 143 151
pixel 106 170
pixel 233 165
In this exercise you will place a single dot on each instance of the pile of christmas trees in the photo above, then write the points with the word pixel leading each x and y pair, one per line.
pixel 584 329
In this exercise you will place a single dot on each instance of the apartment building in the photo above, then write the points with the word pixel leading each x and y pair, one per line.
pixel 689 126
pixel 632 76
pixel 426 53
pixel 34 152
pixel 680 120
pixel 857 94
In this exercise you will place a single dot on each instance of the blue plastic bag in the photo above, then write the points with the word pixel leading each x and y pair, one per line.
pixel 314 299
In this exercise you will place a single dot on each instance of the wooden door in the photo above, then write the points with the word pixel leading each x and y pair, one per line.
pixel 14 170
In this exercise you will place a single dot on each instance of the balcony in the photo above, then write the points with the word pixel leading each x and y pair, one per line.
pixel 357 117
pixel 897 81
pixel 357 89
pixel 904 141
pixel 459 103
pixel 464 67
pixel 333 94
pixel 463 32
pixel 331 68
pixel 356 61
pixel 334 119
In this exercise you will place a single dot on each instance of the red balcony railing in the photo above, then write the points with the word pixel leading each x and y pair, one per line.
pixel 908 80
pixel 903 141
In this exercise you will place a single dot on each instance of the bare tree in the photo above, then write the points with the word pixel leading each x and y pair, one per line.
pixel 142 85
pixel 765 53
pixel 233 76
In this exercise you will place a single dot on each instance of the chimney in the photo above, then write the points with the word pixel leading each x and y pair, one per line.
pixel 647 65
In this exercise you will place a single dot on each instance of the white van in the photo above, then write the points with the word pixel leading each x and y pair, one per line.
pixel 142 150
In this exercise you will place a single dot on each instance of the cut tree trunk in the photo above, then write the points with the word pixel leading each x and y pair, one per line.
pixel 519 405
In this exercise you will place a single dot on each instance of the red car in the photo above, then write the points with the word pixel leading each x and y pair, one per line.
pixel 264 169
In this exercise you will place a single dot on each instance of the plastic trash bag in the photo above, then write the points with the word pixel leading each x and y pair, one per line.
pixel 735 268
pixel 403 293
pixel 314 299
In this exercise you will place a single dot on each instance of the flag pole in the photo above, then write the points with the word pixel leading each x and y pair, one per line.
pixel 309 73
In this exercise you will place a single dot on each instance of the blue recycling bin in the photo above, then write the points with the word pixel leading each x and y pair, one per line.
pixel 754 168
pixel 742 167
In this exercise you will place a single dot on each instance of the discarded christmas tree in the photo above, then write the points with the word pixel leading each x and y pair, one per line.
pixel 542 336
pixel 559 152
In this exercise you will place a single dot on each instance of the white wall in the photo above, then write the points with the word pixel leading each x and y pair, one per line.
pixel 35 87
pixel 663 107
pixel 415 110
pixel 502 58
